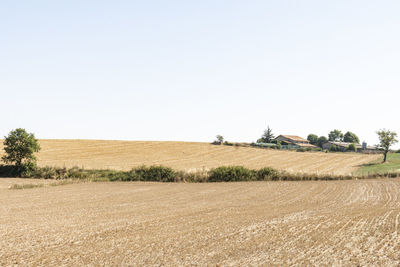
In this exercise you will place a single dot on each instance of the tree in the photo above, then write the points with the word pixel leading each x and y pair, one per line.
pixel 268 136
pixel 335 135
pixel 322 140
pixel 386 140
pixel 350 137
pixel 313 139
pixel 20 147
pixel 220 139
pixel 352 147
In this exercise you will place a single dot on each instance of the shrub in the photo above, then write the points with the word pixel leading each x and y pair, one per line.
pixel 77 173
pixel 228 143
pixel 278 145
pixel 268 174
pixel 8 171
pixel 300 150
pixel 23 170
pixel 231 174
pixel 154 173
pixel 334 148
pixel 45 173
pixel 352 147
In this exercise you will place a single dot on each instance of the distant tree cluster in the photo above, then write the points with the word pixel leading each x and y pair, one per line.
pixel 337 136
pixel 334 136
pixel 317 141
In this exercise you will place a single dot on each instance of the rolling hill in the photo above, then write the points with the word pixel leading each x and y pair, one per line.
pixel 190 156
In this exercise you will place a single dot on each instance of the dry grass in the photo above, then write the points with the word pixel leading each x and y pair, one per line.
pixel 188 156
pixel 350 223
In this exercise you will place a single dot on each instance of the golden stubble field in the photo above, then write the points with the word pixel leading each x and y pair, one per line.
pixel 190 156
pixel 227 224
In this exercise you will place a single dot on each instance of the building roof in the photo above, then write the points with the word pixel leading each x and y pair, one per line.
pixel 294 138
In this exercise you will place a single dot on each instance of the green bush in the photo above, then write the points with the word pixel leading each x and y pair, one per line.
pixel 278 145
pixel 8 171
pixel 23 170
pixel 333 148
pixel 268 174
pixel 76 173
pixel 45 173
pixel 228 143
pixel 154 173
pixel 352 147
pixel 231 174
pixel 300 150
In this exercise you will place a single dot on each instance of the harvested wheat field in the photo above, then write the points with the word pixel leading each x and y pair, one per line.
pixel 190 156
pixel 229 224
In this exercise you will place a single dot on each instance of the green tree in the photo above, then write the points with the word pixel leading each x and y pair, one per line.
pixel 386 140
pixel 335 136
pixel 220 139
pixel 20 147
pixel 350 137
pixel 352 147
pixel 267 137
pixel 322 140
pixel 313 139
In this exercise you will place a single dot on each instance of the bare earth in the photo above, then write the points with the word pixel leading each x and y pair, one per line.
pixel 189 156
pixel 238 224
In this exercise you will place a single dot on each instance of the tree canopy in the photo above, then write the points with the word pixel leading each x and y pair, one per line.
pixel 336 136
pixel 387 138
pixel 350 137
pixel 267 136
pixel 321 140
pixel 20 147
pixel 313 139
pixel 220 139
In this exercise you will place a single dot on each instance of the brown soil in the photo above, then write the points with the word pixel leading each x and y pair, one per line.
pixel 236 224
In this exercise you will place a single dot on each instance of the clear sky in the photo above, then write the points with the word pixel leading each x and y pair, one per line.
pixel 189 70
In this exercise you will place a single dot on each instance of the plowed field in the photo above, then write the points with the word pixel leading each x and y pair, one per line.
pixel 123 155
pixel 231 224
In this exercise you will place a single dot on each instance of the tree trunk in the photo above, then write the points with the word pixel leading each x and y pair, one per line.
pixel 384 157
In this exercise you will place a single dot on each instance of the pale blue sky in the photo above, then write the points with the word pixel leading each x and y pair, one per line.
pixel 188 70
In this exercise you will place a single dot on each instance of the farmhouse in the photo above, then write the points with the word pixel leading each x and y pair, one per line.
pixel 293 140
pixel 343 146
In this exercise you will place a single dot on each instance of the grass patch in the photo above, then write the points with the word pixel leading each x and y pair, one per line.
pixel 392 165
pixel 56 183
pixel 25 186
pixel 64 176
